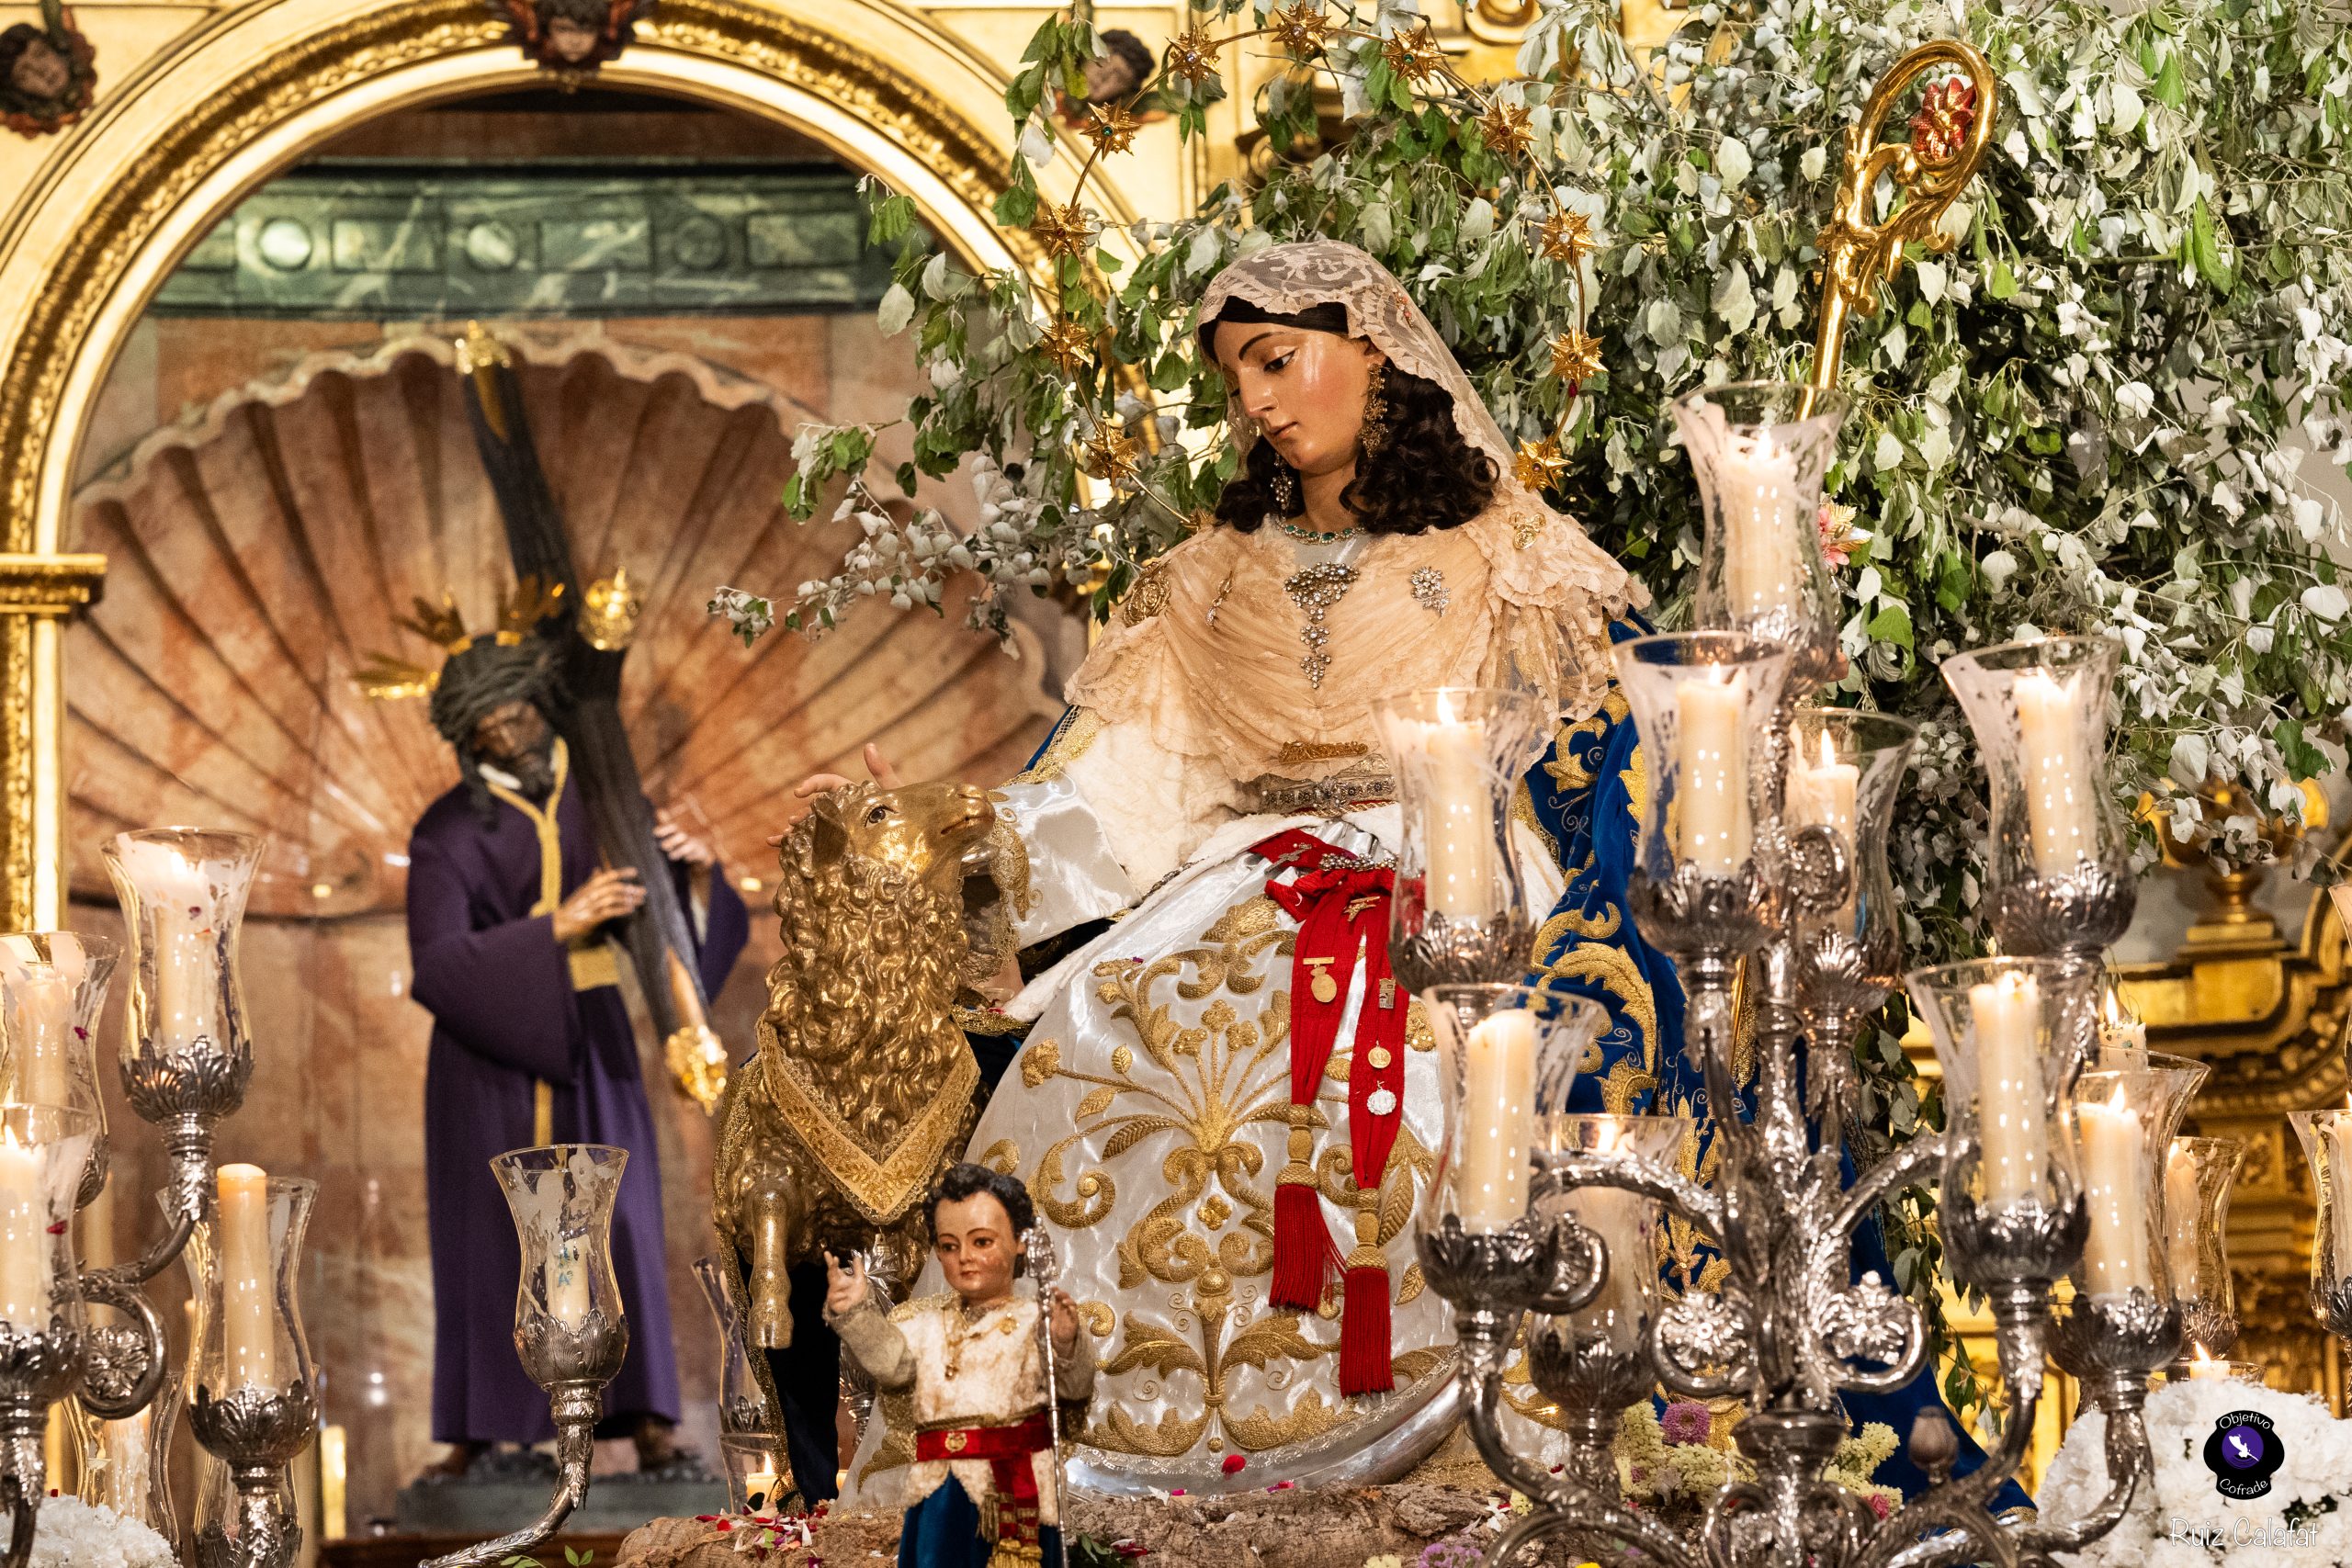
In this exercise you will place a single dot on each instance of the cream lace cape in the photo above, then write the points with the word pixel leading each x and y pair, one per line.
pixel 1207 651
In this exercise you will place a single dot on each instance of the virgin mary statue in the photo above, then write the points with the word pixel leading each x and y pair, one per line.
pixel 1210 1039
pixel 1216 776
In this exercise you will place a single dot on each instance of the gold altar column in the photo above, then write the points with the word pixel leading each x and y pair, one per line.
pixel 38 593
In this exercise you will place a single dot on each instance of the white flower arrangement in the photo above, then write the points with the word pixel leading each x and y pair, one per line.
pixel 71 1533
pixel 2180 1520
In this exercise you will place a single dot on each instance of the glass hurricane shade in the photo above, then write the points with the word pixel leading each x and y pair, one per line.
pixel 2038 711
pixel 1627 1224
pixel 1758 452
pixel 2327 1137
pixel 2008 1035
pixel 1846 769
pixel 568 1323
pixel 2127 1106
pixel 1508 1055
pixel 2200 1176
pixel 250 1337
pixel 183 893
pixel 1458 753
pixel 52 988
pixel 1703 702
pixel 44 1150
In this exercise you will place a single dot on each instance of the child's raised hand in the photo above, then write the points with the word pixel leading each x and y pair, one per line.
pixel 845 1287
pixel 1065 1313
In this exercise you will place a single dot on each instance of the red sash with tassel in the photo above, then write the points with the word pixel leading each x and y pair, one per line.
pixel 1341 907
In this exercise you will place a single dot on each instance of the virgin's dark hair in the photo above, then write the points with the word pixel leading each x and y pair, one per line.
pixel 1426 476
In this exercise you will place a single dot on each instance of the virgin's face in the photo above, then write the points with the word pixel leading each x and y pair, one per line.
pixel 1304 388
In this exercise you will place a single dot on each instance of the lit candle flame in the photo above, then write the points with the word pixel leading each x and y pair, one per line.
pixel 1828 750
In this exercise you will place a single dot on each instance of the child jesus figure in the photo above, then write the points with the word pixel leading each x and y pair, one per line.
pixel 980 1493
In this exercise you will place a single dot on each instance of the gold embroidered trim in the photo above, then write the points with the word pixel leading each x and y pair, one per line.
pixel 1295 752
pixel 882 1189
pixel 1068 743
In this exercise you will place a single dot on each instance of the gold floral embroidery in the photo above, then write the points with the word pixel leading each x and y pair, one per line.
pixel 1148 596
pixel 1637 783
pixel 1614 968
pixel 1003 1156
pixel 1522 811
pixel 1068 743
pixel 1214 1226
pixel 1626 1083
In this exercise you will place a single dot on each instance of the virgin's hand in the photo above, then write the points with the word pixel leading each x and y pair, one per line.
pixel 1065 1322
pixel 845 1288
pixel 607 896
pixel 876 765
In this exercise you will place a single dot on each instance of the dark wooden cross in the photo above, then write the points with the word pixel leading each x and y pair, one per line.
pixel 659 940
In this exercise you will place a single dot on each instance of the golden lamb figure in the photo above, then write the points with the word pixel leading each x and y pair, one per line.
pixel 861 1093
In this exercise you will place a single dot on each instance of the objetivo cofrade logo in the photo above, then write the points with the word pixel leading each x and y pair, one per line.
pixel 2244 1453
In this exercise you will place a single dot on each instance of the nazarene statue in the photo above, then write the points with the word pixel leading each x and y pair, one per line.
pixel 1202 919
pixel 510 926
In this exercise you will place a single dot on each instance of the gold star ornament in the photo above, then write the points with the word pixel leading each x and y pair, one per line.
pixel 1504 129
pixel 1413 55
pixel 1110 454
pixel 1111 128
pixel 1540 464
pixel 1063 230
pixel 1302 29
pixel 1576 356
pixel 1068 344
pixel 1564 237
pixel 1192 55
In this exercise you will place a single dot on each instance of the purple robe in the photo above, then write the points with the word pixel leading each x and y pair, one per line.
pixel 505 1016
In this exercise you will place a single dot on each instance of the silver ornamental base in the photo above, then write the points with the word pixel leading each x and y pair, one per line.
pixel 1442 950
pixel 2332 1305
pixel 254 1432
pixel 576 1406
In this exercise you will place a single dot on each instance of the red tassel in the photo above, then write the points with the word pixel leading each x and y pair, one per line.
pixel 1364 1332
pixel 1305 1260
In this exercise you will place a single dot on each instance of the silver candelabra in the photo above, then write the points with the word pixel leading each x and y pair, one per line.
pixel 185 1064
pixel 1761 865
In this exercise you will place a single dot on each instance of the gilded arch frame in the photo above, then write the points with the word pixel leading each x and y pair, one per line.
pixel 245 94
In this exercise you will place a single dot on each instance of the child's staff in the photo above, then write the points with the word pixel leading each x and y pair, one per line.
pixel 1047 1269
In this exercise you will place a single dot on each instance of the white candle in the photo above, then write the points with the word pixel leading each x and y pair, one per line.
pixel 2183 1213
pixel 44 1047
pixel 123 1479
pixel 2336 1137
pixel 2115 1259
pixel 2118 1030
pixel 759 1490
pixel 1494 1143
pixel 1462 827
pixel 185 959
pixel 1712 796
pixel 2005 1016
pixel 24 1237
pixel 567 1284
pixel 2204 1366
pixel 2058 806
pixel 248 1285
pixel 1621 1220
pixel 1823 794
pixel 1760 511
